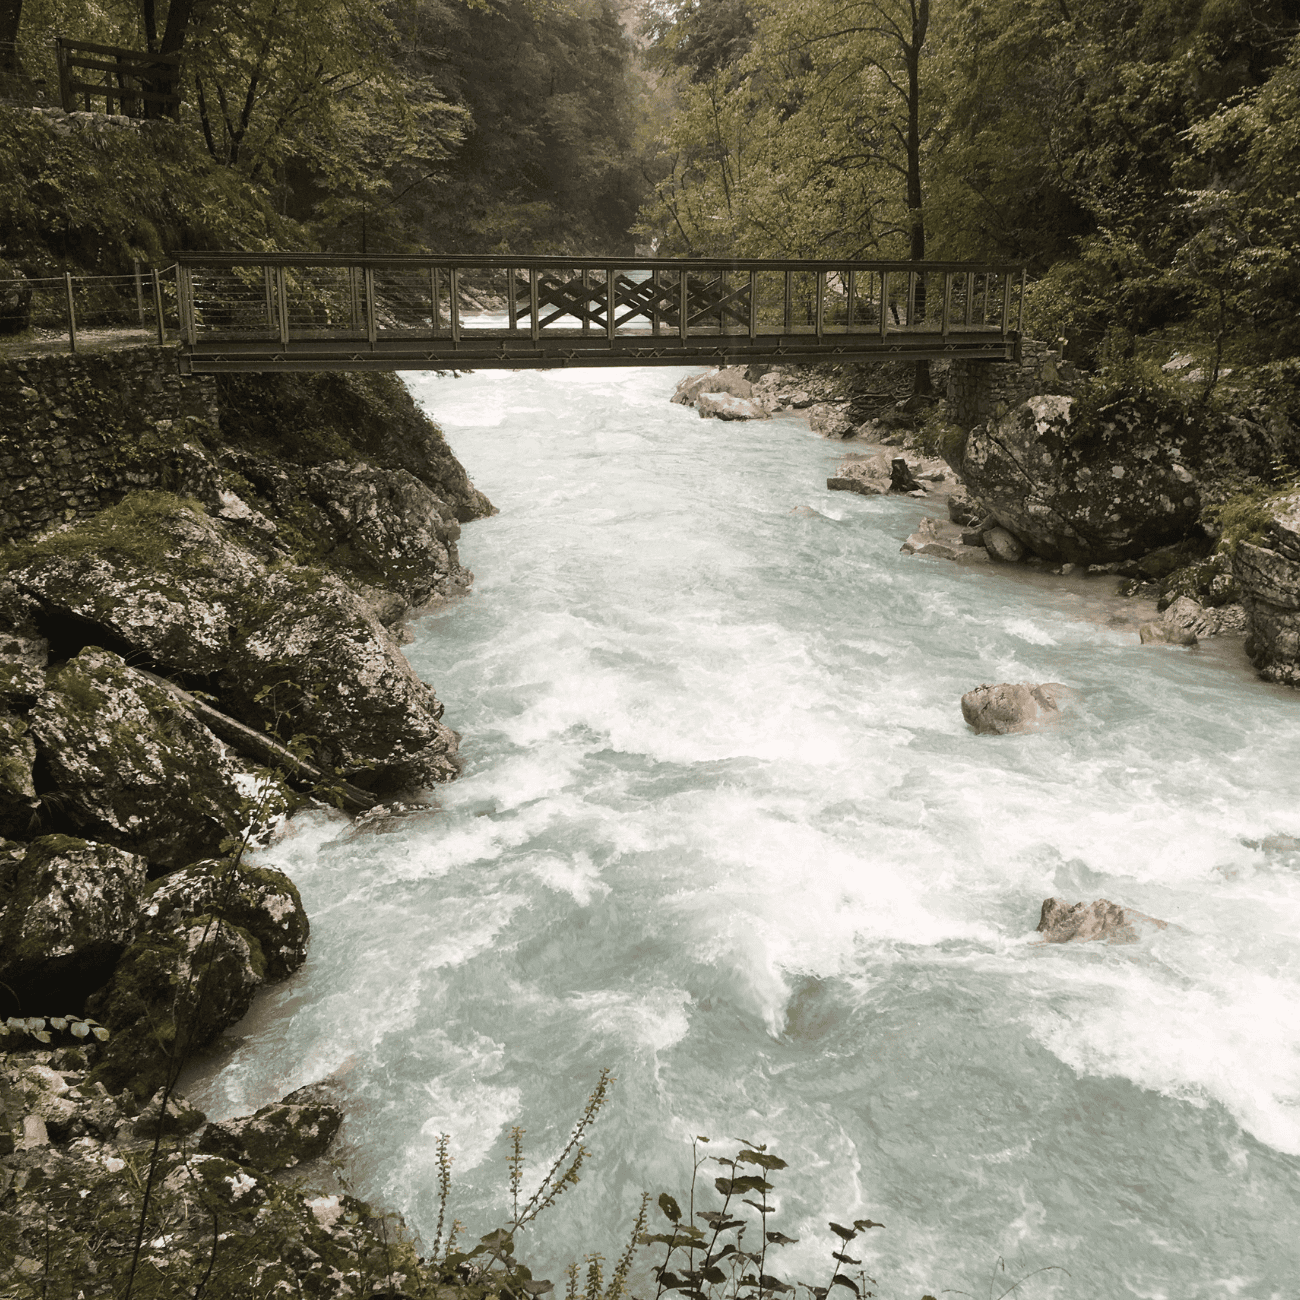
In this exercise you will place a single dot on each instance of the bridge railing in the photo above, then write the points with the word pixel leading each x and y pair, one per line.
pixel 572 308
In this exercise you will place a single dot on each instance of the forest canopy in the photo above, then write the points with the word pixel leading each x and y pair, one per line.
pixel 368 125
pixel 1139 156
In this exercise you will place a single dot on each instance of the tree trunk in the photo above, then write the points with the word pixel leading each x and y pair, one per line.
pixel 179 15
pixel 916 217
pixel 11 12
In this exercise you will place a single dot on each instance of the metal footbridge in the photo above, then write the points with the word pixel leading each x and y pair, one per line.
pixel 301 311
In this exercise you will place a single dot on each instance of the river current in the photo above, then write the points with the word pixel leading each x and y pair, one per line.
pixel 723 830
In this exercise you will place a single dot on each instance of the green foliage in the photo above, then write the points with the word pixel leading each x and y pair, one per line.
pixel 97 197
pixel 1130 394
pixel 42 1028
pixel 549 161
pixel 1245 516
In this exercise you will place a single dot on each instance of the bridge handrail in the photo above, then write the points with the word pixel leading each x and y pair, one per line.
pixel 497 262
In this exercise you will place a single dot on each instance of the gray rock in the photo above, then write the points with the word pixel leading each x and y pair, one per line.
pixel 24 652
pixel 173 991
pixel 1006 708
pixel 260 900
pixel 831 420
pixel 176 1118
pixel 1111 497
pixel 1062 922
pixel 17 789
pixel 963 510
pixel 865 475
pixel 70 909
pixel 725 406
pixel 134 767
pixel 1002 546
pixel 1267 577
pixel 1161 633
pixel 730 380
pixel 286 1133
pixel 390 529
pixel 293 649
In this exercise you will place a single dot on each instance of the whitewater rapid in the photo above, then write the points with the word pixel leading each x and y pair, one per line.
pixel 723 829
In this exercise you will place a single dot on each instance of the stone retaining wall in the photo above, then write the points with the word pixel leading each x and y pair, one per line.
pixel 984 390
pixel 80 431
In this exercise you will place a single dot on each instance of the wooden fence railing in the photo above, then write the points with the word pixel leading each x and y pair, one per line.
pixel 129 80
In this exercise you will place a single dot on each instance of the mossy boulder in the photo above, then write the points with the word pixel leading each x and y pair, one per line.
pixel 279 1136
pixel 132 766
pixel 293 649
pixel 260 900
pixel 314 660
pixel 1114 491
pixel 1209 582
pixel 174 990
pixel 17 790
pixel 70 907
pixel 24 652
pixel 312 419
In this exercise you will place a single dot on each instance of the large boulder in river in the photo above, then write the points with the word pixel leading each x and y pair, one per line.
pixel 289 648
pixel 1012 707
pixel 1112 492
pixel 390 529
pixel 1266 571
pixel 210 937
pixel 1062 922
pixel 730 379
pixel 68 909
pixel 132 766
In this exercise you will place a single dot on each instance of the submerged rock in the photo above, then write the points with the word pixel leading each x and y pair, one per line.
pixel 1006 708
pixel 1062 922
pixel 1113 495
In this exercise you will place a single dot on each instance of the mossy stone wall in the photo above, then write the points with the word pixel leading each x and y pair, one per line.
pixel 987 390
pixel 78 431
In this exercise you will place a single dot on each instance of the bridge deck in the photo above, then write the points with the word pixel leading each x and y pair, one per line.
pixel 305 312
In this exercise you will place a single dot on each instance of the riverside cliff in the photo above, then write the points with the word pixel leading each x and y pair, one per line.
pixel 202 591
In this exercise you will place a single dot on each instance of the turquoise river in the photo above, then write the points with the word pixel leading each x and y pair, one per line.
pixel 723 830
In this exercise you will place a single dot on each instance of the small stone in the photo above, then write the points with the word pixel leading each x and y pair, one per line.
pixel 1002 546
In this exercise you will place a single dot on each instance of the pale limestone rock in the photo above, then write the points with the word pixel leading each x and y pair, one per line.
pixel 725 406
pixel 1006 708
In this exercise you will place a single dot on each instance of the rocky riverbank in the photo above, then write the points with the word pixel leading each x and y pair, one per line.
pixel 201 611
pixel 1039 466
